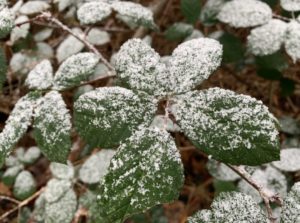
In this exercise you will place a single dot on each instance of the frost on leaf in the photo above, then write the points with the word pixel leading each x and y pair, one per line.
pixel 55 189
pixel 267 39
pixel 203 216
pixel 62 210
pixel 270 178
pixel 232 207
pixel 62 171
pixel 135 13
pixel 210 10
pixel 138 66
pixel 106 116
pixel 33 7
pixel 93 12
pixel 290 5
pixel 291 206
pixel 220 171
pixel 6 21
pixel 74 70
pixel 95 167
pixel 24 186
pixel 98 37
pixel 43 34
pixel 289 160
pixel 245 13
pixel 52 126
pixel 31 155
pixel 19 32
pixel 41 77
pixel 236 129
pixel 146 171
pixel 10 174
pixel 292 40
pixel 17 124
pixel 192 62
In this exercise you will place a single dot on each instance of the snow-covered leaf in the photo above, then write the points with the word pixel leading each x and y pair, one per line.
pixel 289 160
pixel 55 189
pixel 62 171
pixel 63 210
pixel 291 206
pixel 21 63
pixel 52 126
pixel 98 37
pixel 63 4
pixel 290 5
pixel 210 11
pixel 11 174
pixel 292 40
pixel 95 167
pixel 289 125
pixel 245 13
pixel 270 178
pixel 203 216
pixel 194 35
pixel 135 12
pixel 233 128
pixel 89 201
pixel 220 171
pixel 267 39
pixel 24 186
pixel 43 34
pixel 74 70
pixel 146 171
pixel 192 62
pixel 178 31
pixel 160 121
pixel 39 209
pixel 41 77
pixel 17 124
pixel 7 20
pixel 33 7
pixel 106 116
pixel 44 51
pixel 19 32
pixel 30 155
pixel 93 12
pixel 3 67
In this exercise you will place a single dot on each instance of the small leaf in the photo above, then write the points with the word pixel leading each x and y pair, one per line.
pixel 55 189
pixel 33 7
pixel 289 160
pixel 135 12
pixel 236 129
pixel 89 201
pixel 17 124
pixel 62 171
pixel 233 49
pixel 6 21
pixel 203 216
pixel 31 155
pixel 96 166
pixel 10 174
pixel 52 126
pixel 19 32
pixel 245 13
pixel 178 31
pixel 291 209
pixel 41 77
pixel 43 34
pixel 98 37
pixel 268 38
pixel 146 171
pixel 290 5
pixel 190 9
pixel 106 116
pixel 24 186
pixel 74 70
pixel 287 87
pixel 93 12
pixel 269 74
pixel 220 171
pixel 289 125
pixel 292 40
pixel 210 11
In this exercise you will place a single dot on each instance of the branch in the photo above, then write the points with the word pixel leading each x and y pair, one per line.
pixel 282 17
pixel 267 195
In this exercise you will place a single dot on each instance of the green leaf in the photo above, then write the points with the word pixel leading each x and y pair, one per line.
pixel 106 116
pixel 17 124
pixel 178 31
pixel 190 9
pixel 209 12
pixel 236 129
pixel 52 127
pixel 7 21
pixel 287 87
pixel 74 70
pixel 274 61
pixel 24 186
pixel 269 74
pixel 3 68
pixel 233 49
pixel 223 186
pixel 271 3
pixel 291 209
pixel 10 174
pixel 146 171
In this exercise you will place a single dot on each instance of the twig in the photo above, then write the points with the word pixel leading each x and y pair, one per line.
pixel 21 204
pixel 9 199
pixel 166 117
pixel 281 17
pixel 267 195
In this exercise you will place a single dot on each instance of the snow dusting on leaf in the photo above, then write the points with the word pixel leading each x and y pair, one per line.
pixel 98 37
pixel 10 174
pixel 52 126
pixel 267 39
pixel 292 40
pixel 233 128
pixel 31 155
pixel 74 70
pixel 289 160
pixel 106 116
pixel 55 189
pixel 203 216
pixel 291 206
pixel 95 167
pixel 210 10
pixel 43 34
pixel 220 171
pixel 6 21
pixel 245 13
pixel 146 171
pixel 41 77
pixel 93 12
pixel 33 7
pixel 62 171
pixel 19 32
pixel 24 186
pixel 290 5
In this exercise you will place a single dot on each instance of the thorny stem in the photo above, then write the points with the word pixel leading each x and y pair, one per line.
pixel 266 195
pixel 281 17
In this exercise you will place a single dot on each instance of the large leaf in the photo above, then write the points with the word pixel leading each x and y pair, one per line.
pixel 17 124
pixel 190 9
pixel 93 12
pixel 203 216
pixel 145 171
pixel 291 206
pixel 236 129
pixel 106 116
pixel 245 13
pixel 74 70
pixel 52 126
